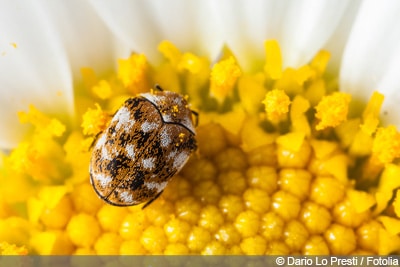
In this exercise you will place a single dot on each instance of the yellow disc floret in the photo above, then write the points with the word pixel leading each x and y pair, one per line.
pixel 341 240
pixel 108 244
pixel 154 240
pixel 286 205
pixel 295 235
pixel 316 218
pixel 247 223
pixel 316 245
pixel 76 232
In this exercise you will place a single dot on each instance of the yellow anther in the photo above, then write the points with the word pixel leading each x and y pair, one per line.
pixel 276 105
pixel 223 78
pixel 332 110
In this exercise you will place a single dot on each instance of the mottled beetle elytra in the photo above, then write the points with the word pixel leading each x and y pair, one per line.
pixel 148 140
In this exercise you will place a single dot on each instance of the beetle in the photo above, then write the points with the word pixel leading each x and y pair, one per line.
pixel 148 140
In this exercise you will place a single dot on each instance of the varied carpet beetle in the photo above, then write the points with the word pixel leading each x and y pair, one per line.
pixel 147 141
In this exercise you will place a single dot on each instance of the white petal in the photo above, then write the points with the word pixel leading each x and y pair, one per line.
pixel 132 23
pixel 338 40
pixel 85 38
pixel 371 59
pixel 35 72
pixel 52 38
pixel 301 27
pixel 390 87
pixel 242 25
pixel 306 27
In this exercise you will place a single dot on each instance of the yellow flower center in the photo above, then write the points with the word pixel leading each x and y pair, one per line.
pixel 276 105
pixel 280 168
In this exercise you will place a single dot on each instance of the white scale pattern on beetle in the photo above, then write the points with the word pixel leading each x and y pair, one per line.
pixel 188 124
pixel 123 119
pixel 177 101
pixel 158 186
pixel 180 160
pixel 126 197
pixel 155 99
pixel 172 154
pixel 101 141
pixel 102 179
pixel 130 151
pixel 149 126
pixel 109 155
pixel 165 137
pixel 105 154
pixel 148 163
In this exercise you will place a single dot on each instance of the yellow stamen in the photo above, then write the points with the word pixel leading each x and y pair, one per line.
pixel 299 120
pixel 273 62
pixel 332 110
pixel 170 51
pixel 387 184
pixel 102 89
pixel 371 113
pixel 276 105
pixel 94 121
pixel 133 71
pixel 320 61
pixel 190 62
pixel 361 201
pixel 43 124
pixel 223 78
pixel 391 224
pixel 396 203
pixel 386 145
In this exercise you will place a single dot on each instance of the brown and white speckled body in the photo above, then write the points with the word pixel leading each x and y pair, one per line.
pixel 148 140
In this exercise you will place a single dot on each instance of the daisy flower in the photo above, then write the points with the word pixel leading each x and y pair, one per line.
pixel 297 138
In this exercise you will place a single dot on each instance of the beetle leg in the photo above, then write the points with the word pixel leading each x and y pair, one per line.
pixel 158 87
pixel 94 140
pixel 196 115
